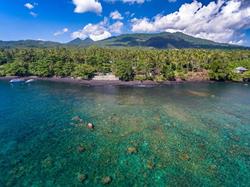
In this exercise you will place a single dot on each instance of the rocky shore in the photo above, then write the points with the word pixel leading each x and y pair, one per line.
pixel 103 82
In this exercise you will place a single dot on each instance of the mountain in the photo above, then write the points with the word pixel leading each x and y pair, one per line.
pixel 163 40
pixel 28 44
pixel 80 43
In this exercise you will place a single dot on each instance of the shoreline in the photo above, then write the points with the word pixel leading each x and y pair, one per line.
pixel 107 82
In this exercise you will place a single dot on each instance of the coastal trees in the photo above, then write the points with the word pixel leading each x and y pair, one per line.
pixel 219 71
pixel 16 68
pixel 168 72
pixel 123 70
pixel 126 63
pixel 3 58
pixel 63 69
pixel 41 68
pixel 83 70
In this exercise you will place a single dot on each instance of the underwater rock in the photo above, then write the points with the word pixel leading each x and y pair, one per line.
pixel 82 177
pixel 212 168
pixel 202 146
pixel 110 131
pixel 106 180
pixel 132 150
pixel 81 149
pixel 150 164
pixel 77 119
pixel 47 162
pixel 184 157
pixel 235 138
pixel 90 126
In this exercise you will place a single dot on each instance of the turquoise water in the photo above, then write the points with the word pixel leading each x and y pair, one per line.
pixel 194 134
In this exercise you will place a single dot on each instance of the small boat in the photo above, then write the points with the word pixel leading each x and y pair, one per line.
pixel 30 80
pixel 16 80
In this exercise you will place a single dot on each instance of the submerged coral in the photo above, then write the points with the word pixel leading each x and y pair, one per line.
pixel 158 136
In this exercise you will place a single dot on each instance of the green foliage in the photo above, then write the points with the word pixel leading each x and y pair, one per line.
pixel 84 71
pixel 219 71
pixel 63 69
pixel 3 58
pixel 181 75
pixel 246 74
pixel 2 71
pixel 124 70
pixel 41 68
pixel 168 72
pixel 140 77
pixel 16 68
pixel 126 63
pixel 159 78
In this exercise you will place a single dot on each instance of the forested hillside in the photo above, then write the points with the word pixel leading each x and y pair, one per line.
pixel 163 40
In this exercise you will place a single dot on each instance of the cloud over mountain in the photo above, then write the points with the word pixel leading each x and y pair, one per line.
pixel 99 31
pixel 220 21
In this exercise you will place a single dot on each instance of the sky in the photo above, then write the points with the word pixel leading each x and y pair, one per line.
pixel 226 21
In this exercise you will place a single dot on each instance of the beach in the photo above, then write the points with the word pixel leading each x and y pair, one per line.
pixel 104 82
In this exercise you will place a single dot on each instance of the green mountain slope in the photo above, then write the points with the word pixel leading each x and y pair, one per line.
pixel 162 41
pixel 158 40
pixel 28 44
pixel 81 43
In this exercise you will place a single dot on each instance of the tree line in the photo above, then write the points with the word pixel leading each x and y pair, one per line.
pixel 126 63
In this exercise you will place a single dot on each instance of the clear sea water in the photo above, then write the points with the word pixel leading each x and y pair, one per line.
pixel 192 134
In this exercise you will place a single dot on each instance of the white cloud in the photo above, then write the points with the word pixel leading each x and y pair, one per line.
pixel 143 25
pixel 99 31
pixel 94 31
pixel 239 42
pixel 65 30
pixel 101 36
pixel 134 1
pixel 129 14
pixel 128 1
pixel 116 27
pixel 116 15
pixel 33 14
pixel 61 32
pixel 220 21
pixel 29 6
pixel 83 6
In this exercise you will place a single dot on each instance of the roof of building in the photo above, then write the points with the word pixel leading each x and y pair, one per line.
pixel 241 69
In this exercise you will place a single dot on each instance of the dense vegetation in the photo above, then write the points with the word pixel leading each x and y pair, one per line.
pixel 127 63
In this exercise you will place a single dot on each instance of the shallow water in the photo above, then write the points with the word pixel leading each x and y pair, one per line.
pixel 194 134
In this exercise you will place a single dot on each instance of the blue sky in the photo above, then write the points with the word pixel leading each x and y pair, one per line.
pixel 63 20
